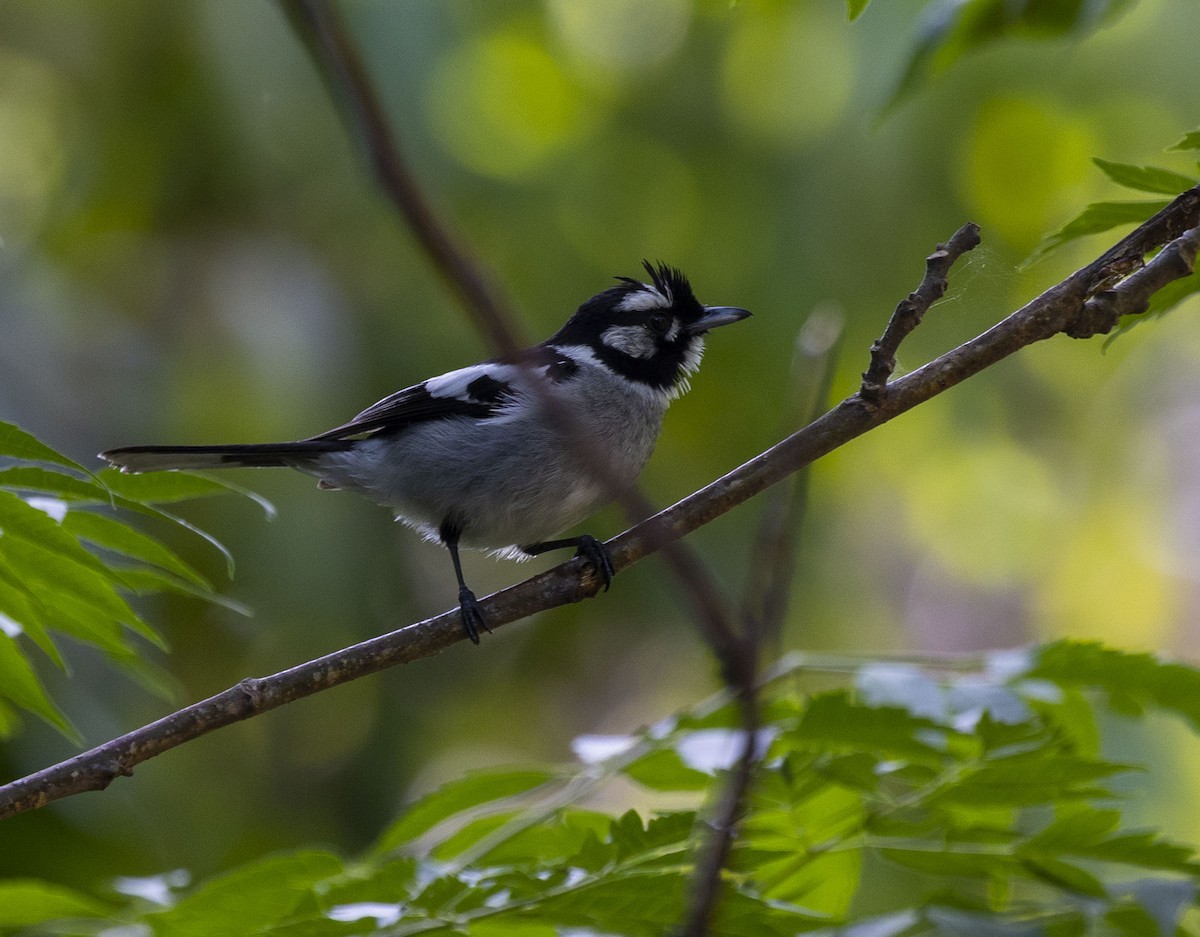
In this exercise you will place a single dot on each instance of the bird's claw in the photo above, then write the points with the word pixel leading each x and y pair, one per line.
pixel 597 554
pixel 472 618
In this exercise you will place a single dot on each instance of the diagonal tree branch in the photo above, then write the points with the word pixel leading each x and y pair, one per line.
pixel 1057 310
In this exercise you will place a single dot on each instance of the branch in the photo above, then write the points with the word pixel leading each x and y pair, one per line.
pixel 1057 310
pixel 706 885
pixel 910 311
pixel 324 35
pixel 1131 296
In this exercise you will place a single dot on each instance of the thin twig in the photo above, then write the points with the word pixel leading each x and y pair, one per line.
pixel 910 311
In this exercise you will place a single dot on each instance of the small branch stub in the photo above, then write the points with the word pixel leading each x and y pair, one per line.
pixel 910 310
pixel 1131 295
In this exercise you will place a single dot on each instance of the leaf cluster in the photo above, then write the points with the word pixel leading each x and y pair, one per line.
pixel 906 802
pixel 951 29
pixel 70 566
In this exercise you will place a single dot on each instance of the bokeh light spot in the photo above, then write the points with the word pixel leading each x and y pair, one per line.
pixel 1101 583
pixel 788 73
pixel 32 153
pixel 1025 168
pixel 637 198
pixel 502 107
pixel 620 35
pixel 987 512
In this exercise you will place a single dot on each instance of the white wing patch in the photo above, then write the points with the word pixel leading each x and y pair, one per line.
pixel 455 383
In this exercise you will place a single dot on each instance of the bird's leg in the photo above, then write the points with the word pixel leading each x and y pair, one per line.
pixel 468 605
pixel 587 547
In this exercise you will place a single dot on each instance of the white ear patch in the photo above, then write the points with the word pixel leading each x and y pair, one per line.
pixel 646 298
pixel 632 340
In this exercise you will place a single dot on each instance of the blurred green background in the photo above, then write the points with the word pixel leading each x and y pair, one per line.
pixel 191 250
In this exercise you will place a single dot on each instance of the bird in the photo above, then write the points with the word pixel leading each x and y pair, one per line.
pixel 502 455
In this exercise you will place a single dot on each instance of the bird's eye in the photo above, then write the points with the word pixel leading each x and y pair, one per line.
pixel 660 321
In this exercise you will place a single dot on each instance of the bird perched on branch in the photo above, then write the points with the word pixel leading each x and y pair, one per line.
pixel 506 454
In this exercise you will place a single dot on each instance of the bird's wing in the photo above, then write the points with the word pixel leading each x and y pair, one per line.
pixel 479 391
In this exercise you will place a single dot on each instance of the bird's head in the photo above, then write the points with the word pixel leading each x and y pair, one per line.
pixel 649 332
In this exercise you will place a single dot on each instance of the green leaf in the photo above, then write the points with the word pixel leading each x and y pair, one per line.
pixel 167 487
pixel 23 609
pixel 1096 218
pixel 19 519
pixel 249 898
pixel 62 611
pixel 1170 296
pixel 1190 141
pixel 664 770
pixel 1146 178
pixel 38 552
pixel 30 478
pixel 25 902
pixel 950 29
pixel 544 842
pixel 114 535
pixel 833 723
pixel 186 525
pixel 1140 678
pixel 825 883
pixel 146 581
pixel 472 791
pixel 1146 849
pixel 855 8
pixel 1083 826
pixel 18 444
pixel 1026 780
pixel 19 683
pixel 68 487
pixel 954 863
pixel 1064 875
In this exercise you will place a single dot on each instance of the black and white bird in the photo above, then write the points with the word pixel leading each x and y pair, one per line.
pixel 480 457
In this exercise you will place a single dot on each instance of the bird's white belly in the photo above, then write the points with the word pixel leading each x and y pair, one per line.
pixel 504 481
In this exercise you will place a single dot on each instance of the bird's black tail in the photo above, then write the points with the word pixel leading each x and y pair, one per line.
pixel 261 455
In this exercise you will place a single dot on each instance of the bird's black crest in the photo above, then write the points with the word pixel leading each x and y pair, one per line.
pixel 671 282
pixel 668 280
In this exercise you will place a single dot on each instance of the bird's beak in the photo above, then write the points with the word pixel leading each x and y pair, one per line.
pixel 717 315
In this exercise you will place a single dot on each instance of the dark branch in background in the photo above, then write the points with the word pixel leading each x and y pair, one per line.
pixel 337 61
pixel 768 589
pixel 773 555
pixel 1056 310
pixel 714 854
pixel 910 311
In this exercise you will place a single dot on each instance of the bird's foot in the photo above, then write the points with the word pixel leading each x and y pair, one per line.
pixel 597 554
pixel 472 618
